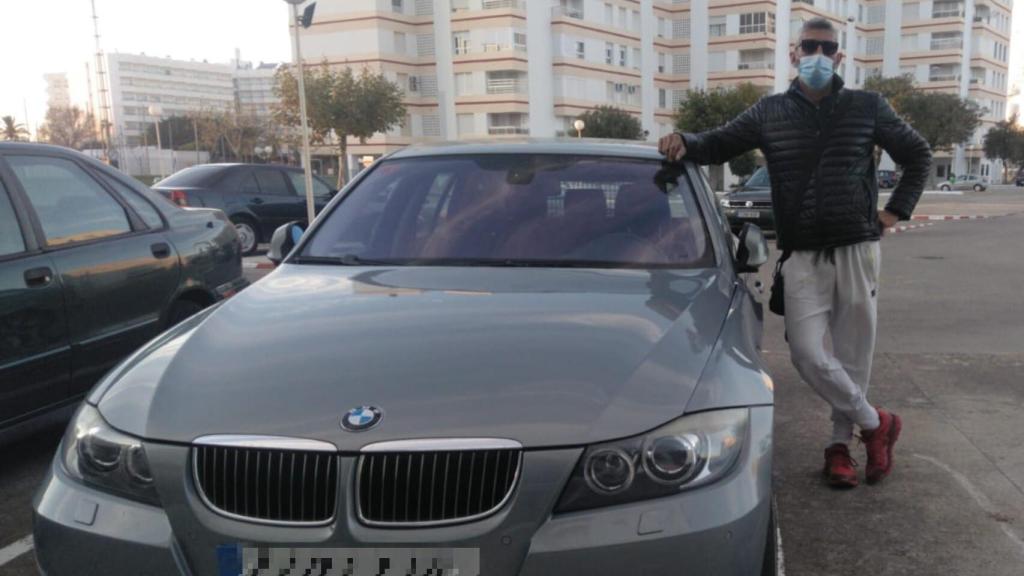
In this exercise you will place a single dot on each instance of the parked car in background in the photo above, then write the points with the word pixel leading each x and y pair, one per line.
pixel 256 197
pixel 1018 180
pixel 965 182
pixel 751 203
pixel 523 358
pixel 888 178
pixel 92 265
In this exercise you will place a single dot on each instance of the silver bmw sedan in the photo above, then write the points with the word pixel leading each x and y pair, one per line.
pixel 519 358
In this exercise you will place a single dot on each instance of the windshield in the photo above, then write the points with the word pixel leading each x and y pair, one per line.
pixel 529 210
pixel 194 176
pixel 759 179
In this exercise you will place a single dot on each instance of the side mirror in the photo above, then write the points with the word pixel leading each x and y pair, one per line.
pixel 284 240
pixel 752 252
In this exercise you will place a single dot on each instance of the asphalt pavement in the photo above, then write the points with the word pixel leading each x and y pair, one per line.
pixel 949 360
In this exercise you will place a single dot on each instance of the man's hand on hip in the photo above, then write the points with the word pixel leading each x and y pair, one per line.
pixel 886 220
pixel 673 147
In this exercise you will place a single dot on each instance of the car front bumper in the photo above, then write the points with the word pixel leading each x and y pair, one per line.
pixel 718 529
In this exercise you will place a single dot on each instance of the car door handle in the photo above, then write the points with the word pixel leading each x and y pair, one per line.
pixel 38 277
pixel 257 200
pixel 161 250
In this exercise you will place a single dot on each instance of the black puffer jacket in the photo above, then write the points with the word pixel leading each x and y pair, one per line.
pixel 839 206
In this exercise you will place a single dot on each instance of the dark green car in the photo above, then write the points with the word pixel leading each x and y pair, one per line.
pixel 92 265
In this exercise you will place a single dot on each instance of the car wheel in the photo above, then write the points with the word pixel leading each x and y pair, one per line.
pixel 770 564
pixel 182 310
pixel 979 188
pixel 247 235
pixel 944 187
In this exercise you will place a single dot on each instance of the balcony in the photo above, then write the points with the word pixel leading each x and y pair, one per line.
pixel 763 65
pixel 506 85
pixel 471 5
pixel 568 11
pixel 947 44
pixel 508 130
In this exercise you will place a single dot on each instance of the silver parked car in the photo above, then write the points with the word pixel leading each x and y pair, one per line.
pixel 965 182
pixel 532 358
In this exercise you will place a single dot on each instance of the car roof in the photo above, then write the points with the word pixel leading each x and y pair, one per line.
pixel 35 147
pixel 574 146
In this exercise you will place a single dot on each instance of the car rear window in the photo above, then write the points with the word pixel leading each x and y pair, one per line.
pixel 517 210
pixel 193 177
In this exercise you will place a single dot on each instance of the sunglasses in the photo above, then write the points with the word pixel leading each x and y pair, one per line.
pixel 828 47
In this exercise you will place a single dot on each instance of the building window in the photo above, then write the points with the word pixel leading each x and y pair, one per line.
pixel 581 50
pixel 431 125
pixel 609 53
pixel 753 23
pixel 874 45
pixel 876 14
pixel 945 9
pixel 519 41
pixel 400 43
pixel 636 58
pixel 609 15
pixel 460 41
pixel 716 61
pixel 911 12
pixel 463 83
pixel 681 29
pixel 662 98
pixel 414 83
pixel 908 43
pixel 946 40
pixel 466 124
pixel 943 72
pixel 397 6
pixel 716 26
pixel 622 55
pixel 661 62
pixel 661 27
pixel 681 64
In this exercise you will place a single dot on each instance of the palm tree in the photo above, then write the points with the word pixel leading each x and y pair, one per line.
pixel 12 130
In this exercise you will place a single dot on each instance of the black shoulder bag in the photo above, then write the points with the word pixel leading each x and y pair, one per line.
pixel 777 299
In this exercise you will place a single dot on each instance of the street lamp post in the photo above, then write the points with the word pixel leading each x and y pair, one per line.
pixel 306 163
pixel 579 125
pixel 155 111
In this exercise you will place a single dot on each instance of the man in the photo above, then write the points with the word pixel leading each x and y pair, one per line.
pixel 819 140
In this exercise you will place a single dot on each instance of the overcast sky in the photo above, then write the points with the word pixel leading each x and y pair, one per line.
pixel 41 36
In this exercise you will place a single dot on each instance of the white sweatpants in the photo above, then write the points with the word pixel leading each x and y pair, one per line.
pixel 837 302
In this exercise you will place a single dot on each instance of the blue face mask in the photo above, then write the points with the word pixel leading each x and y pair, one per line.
pixel 816 71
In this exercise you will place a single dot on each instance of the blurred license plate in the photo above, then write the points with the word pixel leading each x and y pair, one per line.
pixel 748 214
pixel 237 560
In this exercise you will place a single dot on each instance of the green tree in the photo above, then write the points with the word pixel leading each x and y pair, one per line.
pixel 1005 141
pixel 703 110
pixel 67 126
pixel 342 104
pixel 176 131
pixel 226 134
pixel 611 122
pixel 944 120
pixel 895 89
pixel 12 130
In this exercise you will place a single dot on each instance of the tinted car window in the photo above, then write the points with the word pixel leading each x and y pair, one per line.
pixel 272 182
pixel 247 184
pixel 11 241
pixel 299 183
pixel 144 209
pixel 71 206
pixel 759 179
pixel 194 176
pixel 540 210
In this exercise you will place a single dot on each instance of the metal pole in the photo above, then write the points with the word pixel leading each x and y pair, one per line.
pixel 170 136
pixel 159 148
pixel 195 136
pixel 306 164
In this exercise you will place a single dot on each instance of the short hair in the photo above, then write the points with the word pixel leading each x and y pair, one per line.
pixel 819 23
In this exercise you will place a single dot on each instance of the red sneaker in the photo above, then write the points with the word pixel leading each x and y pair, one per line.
pixel 840 468
pixel 879 443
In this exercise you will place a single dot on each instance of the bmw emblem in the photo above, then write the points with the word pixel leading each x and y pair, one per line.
pixel 362 418
pixel 750 204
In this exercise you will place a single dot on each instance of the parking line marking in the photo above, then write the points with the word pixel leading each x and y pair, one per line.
pixel 12 551
pixel 979 497
pixel 780 558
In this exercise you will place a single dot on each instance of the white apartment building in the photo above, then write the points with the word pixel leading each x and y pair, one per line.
pixel 58 95
pixel 254 89
pixel 490 68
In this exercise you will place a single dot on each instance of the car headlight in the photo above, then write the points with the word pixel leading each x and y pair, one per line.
pixel 102 457
pixel 686 453
pixel 724 203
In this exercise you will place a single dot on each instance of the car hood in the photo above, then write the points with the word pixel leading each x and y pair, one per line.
pixel 750 194
pixel 547 357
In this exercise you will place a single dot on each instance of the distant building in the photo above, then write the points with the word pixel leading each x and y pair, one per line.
pixel 493 68
pixel 254 89
pixel 57 93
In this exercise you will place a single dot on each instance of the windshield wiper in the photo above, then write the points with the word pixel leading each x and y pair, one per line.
pixel 346 260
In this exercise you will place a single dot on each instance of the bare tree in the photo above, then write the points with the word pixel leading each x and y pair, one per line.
pixel 67 126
